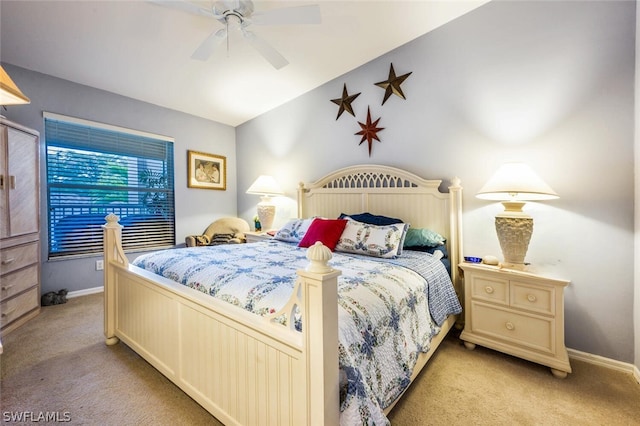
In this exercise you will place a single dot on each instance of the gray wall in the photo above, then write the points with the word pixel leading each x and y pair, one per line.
pixel 195 208
pixel 549 83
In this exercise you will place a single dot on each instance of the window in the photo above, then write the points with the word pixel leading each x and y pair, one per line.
pixel 95 169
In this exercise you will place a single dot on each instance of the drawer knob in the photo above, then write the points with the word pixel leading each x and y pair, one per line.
pixel 531 298
pixel 7 313
pixel 509 326
pixel 6 287
pixel 8 261
pixel 489 289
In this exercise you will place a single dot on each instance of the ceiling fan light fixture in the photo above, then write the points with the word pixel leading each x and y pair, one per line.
pixel 240 9
pixel 227 11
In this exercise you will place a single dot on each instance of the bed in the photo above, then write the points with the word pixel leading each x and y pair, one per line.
pixel 276 362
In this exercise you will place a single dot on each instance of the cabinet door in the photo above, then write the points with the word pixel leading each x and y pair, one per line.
pixel 4 214
pixel 22 184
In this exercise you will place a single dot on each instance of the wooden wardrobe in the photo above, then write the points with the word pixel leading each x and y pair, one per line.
pixel 19 225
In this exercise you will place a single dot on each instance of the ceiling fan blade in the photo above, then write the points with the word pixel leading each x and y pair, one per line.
pixel 288 16
pixel 266 50
pixel 185 6
pixel 209 45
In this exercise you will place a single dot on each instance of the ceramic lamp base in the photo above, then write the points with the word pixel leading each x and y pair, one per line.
pixel 266 213
pixel 514 234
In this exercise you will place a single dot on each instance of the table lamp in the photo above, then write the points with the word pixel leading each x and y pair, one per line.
pixel 266 187
pixel 514 184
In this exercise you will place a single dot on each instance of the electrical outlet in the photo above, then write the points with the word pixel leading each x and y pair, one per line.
pixel 99 265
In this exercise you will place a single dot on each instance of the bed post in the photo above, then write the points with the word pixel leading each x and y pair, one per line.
pixel 455 243
pixel 113 253
pixel 320 328
pixel 301 192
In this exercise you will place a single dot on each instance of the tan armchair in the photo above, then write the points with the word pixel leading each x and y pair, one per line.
pixel 228 230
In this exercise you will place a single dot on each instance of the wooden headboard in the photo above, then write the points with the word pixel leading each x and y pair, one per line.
pixel 393 192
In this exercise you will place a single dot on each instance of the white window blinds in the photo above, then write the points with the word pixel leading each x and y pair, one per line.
pixel 94 170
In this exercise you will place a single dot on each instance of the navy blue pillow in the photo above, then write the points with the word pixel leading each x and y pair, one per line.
pixel 371 219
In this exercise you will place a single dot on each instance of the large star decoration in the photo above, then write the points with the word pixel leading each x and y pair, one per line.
pixel 345 102
pixel 369 131
pixel 392 85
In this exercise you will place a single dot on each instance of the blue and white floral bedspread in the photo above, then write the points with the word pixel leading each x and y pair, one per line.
pixel 384 319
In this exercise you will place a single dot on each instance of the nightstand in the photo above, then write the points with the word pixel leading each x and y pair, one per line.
pixel 516 312
pixel 253 237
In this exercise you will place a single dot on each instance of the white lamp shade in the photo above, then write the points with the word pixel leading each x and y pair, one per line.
pixel 516 181
pixel 265 185
pixel 9 92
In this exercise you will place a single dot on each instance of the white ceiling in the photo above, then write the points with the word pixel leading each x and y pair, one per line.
pixel 141 50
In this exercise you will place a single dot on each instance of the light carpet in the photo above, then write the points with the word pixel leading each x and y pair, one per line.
pixel 58 363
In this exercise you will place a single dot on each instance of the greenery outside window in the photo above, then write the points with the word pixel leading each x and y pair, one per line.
pixel 95 169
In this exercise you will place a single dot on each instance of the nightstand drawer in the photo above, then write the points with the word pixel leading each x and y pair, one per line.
pixel 490 289
pixel 18 281
pixel 525 330
pixel 533 298
pixel 18 306
pixel 516 312
pixel 18 257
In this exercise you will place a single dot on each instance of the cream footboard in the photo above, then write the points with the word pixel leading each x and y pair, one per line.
pixel 246 369
pixel 242 368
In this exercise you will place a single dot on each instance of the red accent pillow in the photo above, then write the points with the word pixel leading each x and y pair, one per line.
pixel 327 231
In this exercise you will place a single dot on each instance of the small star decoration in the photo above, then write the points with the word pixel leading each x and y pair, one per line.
pixel 345 102
pixel 392 85
pixel 369 131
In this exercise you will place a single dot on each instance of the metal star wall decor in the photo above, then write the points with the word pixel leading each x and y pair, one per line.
pixel 369 131
pixel 392 85
pixel 345 102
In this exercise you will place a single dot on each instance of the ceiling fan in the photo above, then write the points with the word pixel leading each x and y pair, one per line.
pixel 240 14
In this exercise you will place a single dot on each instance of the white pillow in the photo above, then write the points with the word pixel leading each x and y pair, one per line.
pixel 293 231
pixel 404 234
pixel 372 240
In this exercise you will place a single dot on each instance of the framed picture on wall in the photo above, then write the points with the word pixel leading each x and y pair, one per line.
pixel 206 171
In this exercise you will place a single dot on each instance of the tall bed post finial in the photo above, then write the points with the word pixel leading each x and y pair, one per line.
pixel 112 246
pixel 300 200
pixel 455 223
pixel 320 330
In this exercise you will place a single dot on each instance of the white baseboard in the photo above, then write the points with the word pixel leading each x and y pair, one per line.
pixel 85 292
pixel 605 362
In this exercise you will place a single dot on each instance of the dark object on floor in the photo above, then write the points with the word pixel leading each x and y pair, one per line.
pixel 53 298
